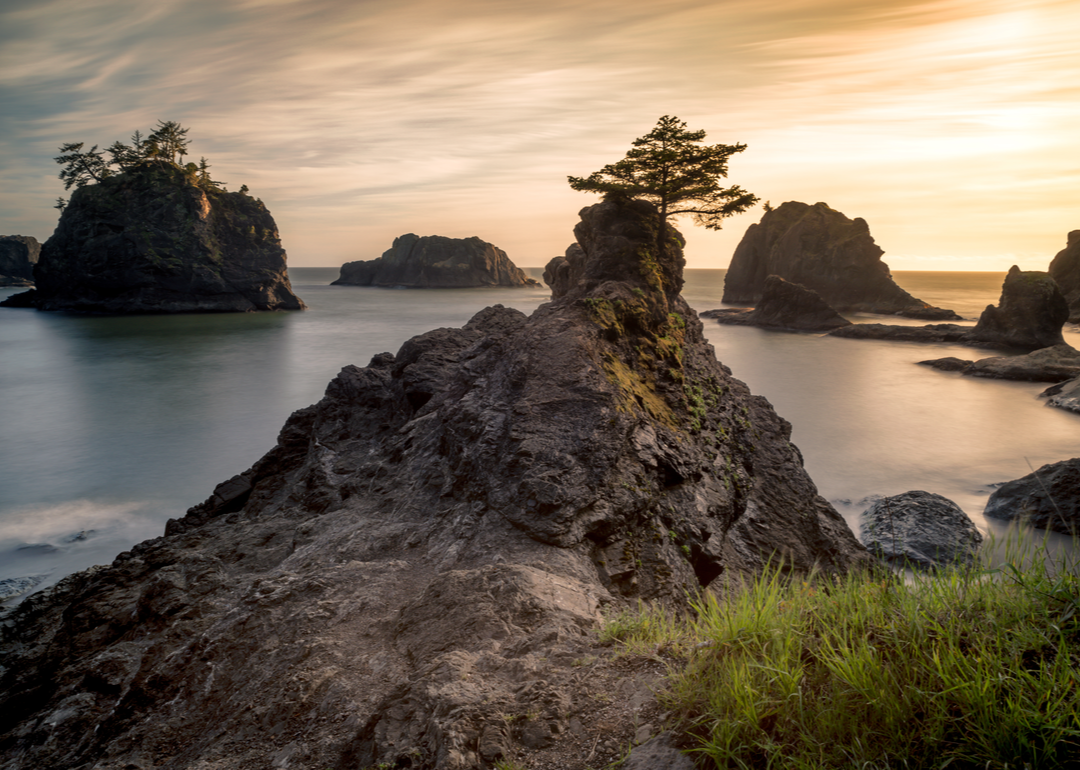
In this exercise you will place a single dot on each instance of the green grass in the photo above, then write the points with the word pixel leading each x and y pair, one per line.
pixel 963 669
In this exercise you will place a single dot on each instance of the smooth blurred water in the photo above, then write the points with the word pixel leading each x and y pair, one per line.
pixel 109 426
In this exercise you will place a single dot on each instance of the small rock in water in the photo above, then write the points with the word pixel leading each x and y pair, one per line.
pixel 919 529
pixel 38 548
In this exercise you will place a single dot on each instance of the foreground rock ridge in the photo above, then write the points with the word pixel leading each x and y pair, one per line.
pixel 433 262
pixel 18 255
pixel 407 577
pixel 151 240
pixel 823 250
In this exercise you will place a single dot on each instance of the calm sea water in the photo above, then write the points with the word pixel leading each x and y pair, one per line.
pixel 109 426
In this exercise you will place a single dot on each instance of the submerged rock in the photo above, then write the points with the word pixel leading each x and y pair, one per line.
pixel 1029 314
pixel 1065 269
pixel 407 576
pixel 18 255
pixel 1048 498
pixel 821 249
pixel 150 240
pixel 919 529
pixel 434 261
pixel 784 305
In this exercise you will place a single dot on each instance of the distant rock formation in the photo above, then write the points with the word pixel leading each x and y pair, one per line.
pixel 1053 364
pixel 821 249
pixel 18 255
pixel 1049 498
pixel 1065 269
pixel 919 529
pixel 436 262
pixel 426 550
pixel 1029 314
pixel 784 305
pixel 149 240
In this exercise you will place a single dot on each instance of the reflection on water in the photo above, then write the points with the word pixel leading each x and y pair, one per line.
pixel 111 425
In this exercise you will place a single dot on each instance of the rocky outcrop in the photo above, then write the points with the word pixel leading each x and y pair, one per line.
pixel 150 240
pixel 1052 364
pixel 436 262
pixel 897 333
pixel 919 529
pixel 821 249
pixel 18 255
pixel 408 576
pixel 1029 314
pixel 1065 269
pixel 1065 395
pixel 784 305
pixel 1048 498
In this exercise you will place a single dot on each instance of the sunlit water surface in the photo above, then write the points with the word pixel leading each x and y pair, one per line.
pixel 109 426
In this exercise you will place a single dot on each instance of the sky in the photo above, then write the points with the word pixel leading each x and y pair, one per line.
pixel 951 126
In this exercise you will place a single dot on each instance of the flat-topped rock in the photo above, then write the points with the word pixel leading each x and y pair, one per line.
pixel 433 262
pixel 1053 364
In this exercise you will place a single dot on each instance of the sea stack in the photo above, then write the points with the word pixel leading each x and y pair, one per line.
pixel 151 240
pixel 425 552
pixel 1029 315
pixel 823 250
pixel 1065 269
pixel 436 262
pixel 18 255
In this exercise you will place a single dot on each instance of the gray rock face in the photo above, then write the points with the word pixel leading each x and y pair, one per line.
pixel 1049 498
pixel 18 255
pixel 407 575
pixel 150 240
pixel 1029 314
pixel 658 754
pixel 821 249
pixel 1065 395
pixel 433 261
pixel 784 305
pixel 1065 269
pixel 919 529
pixel 1052 364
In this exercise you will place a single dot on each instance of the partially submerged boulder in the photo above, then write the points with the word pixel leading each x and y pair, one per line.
pixel 784 305
pixel 434 261
pixel 1029 314
pixel 919 529
pixel 821 249
pixel 1048 498
pixel 1053 364
pixel 1065 269
pixel 151 240
pixel 18 255
pixel 406 578
pixel 1064 395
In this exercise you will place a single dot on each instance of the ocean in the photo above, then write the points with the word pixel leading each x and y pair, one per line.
pixel 110 426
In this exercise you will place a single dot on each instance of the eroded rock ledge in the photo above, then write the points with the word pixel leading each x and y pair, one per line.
pixel 405 576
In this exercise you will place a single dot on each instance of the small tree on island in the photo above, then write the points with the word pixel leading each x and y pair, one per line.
pixel 670 168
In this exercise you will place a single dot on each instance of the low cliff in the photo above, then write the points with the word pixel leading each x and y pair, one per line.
pixel 18 255
pixel 433 262
pixel 406 578
pixel 1065 269
pixel 823 250
pixel 150 240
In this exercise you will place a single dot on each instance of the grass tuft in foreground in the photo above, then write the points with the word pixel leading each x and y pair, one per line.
pixel 963 669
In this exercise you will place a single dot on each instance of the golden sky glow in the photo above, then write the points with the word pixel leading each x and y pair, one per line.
pixel 952 127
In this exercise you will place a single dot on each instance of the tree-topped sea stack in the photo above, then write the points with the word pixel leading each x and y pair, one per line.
pixel 434 261
pixel 821 249
pixel 152 236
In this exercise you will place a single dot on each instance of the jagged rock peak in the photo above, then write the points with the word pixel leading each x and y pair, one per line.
pixel 821 249
pixel 426 549
pixel 1029 315
pixel 435 261
pixel 18 255
pixel 1065 269
pixel 151 240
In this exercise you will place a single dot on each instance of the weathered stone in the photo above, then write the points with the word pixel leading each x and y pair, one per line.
pixel 658 754
pixel 1048 498
pixel 895 332
pixel 1065 395
pixel 919 529
pixel 1065 269
pixel 1053 364
pixel 784 305
pixel 18 255
pixel 1029 314
pixel 821 249
pixel 434 261
pixel 397 578
pixel 150 240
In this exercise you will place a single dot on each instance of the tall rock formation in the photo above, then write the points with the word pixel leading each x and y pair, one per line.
pixel 1029 315
pixel 1065 269
pixel 434 261
pixel 406 579
pixel 18 255
pixel 150 240
pixel 821 249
